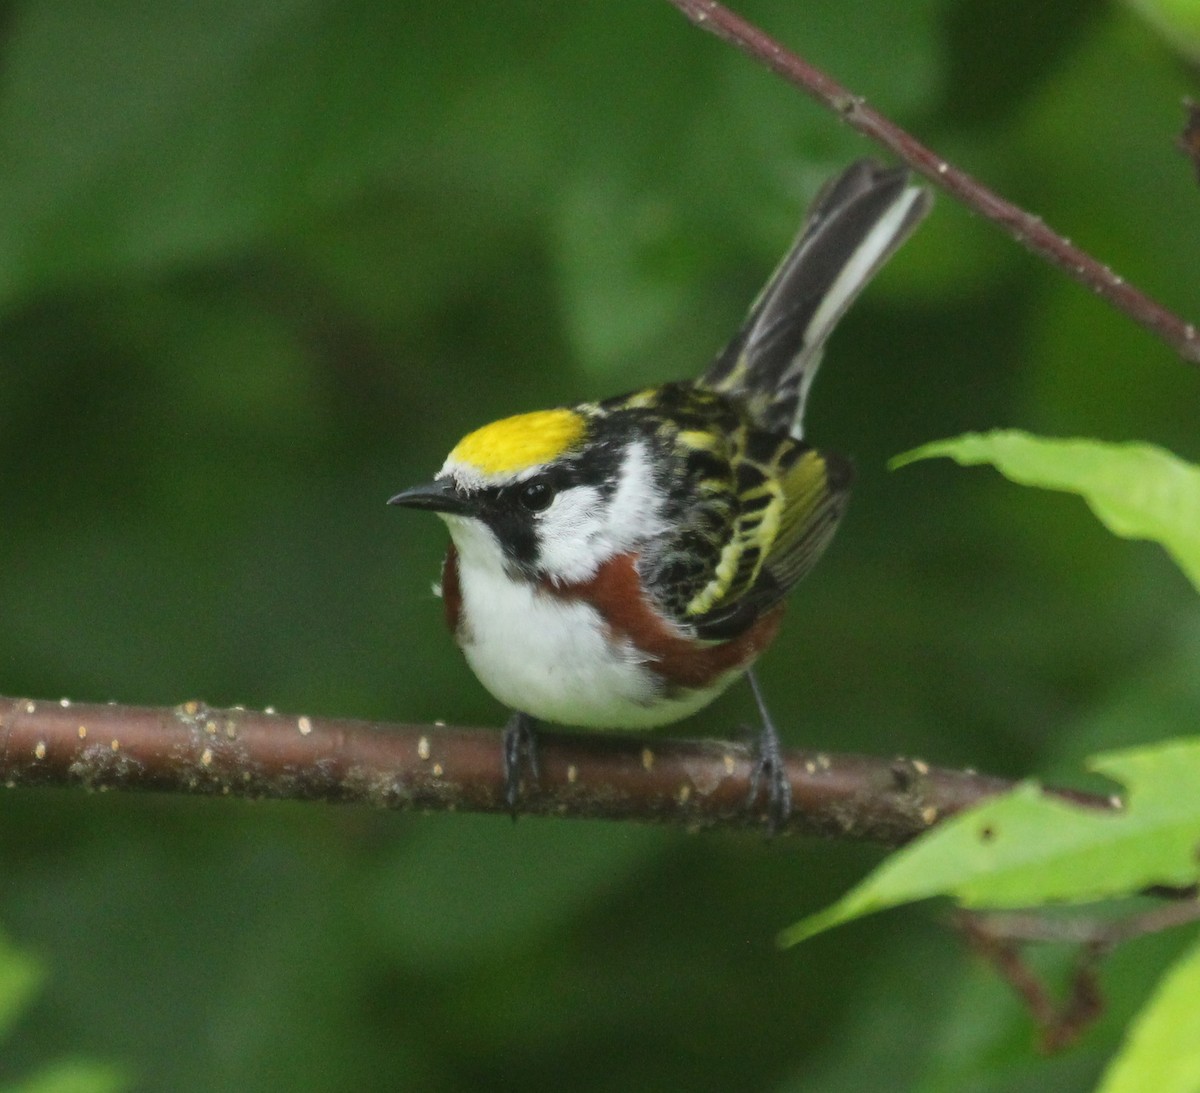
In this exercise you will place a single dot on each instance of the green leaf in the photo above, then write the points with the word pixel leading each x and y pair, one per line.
pixel 1027 848
pixel 1162 1050
pixel 1178 21
pixel 1138 491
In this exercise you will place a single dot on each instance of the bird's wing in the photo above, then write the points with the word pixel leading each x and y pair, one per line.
pixel 755 523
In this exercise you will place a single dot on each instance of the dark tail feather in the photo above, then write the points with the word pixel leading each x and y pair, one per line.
pixel 853 227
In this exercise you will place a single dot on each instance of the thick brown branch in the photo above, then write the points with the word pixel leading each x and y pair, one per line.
pixel 696 784
pixel 1024 227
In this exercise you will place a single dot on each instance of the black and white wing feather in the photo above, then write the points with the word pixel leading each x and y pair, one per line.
pixel 855 224
pixel 757 505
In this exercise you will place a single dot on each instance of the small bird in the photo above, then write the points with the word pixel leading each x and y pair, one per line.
pixel 618 564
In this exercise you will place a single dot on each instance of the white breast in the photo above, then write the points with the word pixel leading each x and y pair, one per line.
pixel 551 657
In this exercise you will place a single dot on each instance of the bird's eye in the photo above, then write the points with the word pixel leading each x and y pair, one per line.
pixel 536 495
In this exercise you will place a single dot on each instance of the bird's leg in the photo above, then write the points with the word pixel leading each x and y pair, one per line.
pixel 769 765
pixel 520 751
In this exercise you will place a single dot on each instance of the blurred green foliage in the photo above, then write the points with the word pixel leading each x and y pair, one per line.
pixel 262 263
pixel 20 977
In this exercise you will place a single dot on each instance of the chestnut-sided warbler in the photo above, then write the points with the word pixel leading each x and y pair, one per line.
pixel 619 564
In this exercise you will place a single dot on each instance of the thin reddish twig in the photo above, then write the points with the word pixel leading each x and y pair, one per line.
pixel 1027 229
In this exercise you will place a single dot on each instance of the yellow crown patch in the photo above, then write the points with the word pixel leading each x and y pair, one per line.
pixel 514 443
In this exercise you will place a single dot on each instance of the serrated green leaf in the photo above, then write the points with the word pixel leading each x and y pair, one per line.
pixel 1027 848
pixel 1162 1050
pixel 1138 491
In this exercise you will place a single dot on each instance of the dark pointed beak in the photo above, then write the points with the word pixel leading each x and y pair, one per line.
pixel 438 496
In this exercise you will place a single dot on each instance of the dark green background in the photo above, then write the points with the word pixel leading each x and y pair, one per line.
pixel 262 263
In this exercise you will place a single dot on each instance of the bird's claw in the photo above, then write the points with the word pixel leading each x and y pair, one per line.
pixel 769 766
pixel 769 770
pixel 520 755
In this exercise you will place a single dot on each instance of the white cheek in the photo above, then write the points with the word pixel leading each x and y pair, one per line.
pixel 570 534
pixel 581 530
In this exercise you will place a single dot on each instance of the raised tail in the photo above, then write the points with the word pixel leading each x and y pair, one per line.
pixel 857 220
